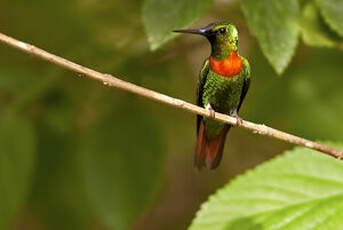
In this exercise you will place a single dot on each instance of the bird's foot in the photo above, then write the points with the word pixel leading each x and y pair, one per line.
pixel 212 112
pixel 234 114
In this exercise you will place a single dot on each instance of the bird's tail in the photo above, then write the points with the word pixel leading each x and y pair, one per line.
pixel 209 153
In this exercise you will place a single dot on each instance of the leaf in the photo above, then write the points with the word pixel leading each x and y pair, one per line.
pixel 332 10
pixel 276 26
pixel 302 189
pixel 17 153
pixel 314 30
pixel 122 162
pixel 160 17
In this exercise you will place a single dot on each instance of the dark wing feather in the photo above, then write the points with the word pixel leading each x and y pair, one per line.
pixel 246 82
pixel 246 85
pixel 200 89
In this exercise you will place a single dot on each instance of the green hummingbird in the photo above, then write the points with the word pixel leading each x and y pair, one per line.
pixel 224 80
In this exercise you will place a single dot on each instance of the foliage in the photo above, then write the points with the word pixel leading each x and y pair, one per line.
pixel 332 11
pixel 160 17
pixel 314 30
pixel 299 190
pixel 264 18
pixel 274 23
pixel 75 154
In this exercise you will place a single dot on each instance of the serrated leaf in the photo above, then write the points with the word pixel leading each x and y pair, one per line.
pixel 160 17
pixel 276 26
pixel 302 189
pixel 332 10
pixel 122 162
pixel 314 30
pixel 17 153
pixel 325 213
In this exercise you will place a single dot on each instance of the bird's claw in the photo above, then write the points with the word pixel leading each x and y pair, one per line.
pixel 239 120
pixel 212 112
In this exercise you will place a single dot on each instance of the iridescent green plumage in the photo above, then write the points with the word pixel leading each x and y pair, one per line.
pixel 223 94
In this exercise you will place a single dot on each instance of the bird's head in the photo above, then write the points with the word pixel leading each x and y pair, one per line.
pixel 222 36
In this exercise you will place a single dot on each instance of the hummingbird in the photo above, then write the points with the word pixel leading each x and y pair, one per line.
pixel 223 83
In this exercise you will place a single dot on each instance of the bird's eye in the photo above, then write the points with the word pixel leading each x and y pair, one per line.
pixel 222 30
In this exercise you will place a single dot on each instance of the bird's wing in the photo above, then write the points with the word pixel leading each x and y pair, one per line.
pixel 246 83
pixel 202 79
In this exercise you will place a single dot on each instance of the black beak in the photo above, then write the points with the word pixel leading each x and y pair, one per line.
pixel 193 31
pixel 206 31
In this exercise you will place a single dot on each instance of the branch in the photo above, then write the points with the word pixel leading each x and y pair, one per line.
pixel 112 81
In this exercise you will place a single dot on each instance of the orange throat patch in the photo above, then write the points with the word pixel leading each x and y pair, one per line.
pixel 228 67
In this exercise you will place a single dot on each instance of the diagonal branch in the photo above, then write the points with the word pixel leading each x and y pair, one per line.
pixel 112 81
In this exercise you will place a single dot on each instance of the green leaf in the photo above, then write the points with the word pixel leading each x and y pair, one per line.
pixel 17 153
pixel 314 30
pixel 332 10
pixel 302 189
pixel 276 26
pixel 122 162
pixel 160 17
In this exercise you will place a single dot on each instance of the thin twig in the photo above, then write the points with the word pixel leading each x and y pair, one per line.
pixel 112 81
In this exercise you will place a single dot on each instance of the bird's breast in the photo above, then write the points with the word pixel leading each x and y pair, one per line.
pixel 228 67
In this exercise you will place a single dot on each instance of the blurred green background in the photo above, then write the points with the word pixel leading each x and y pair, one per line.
pixel 75 154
